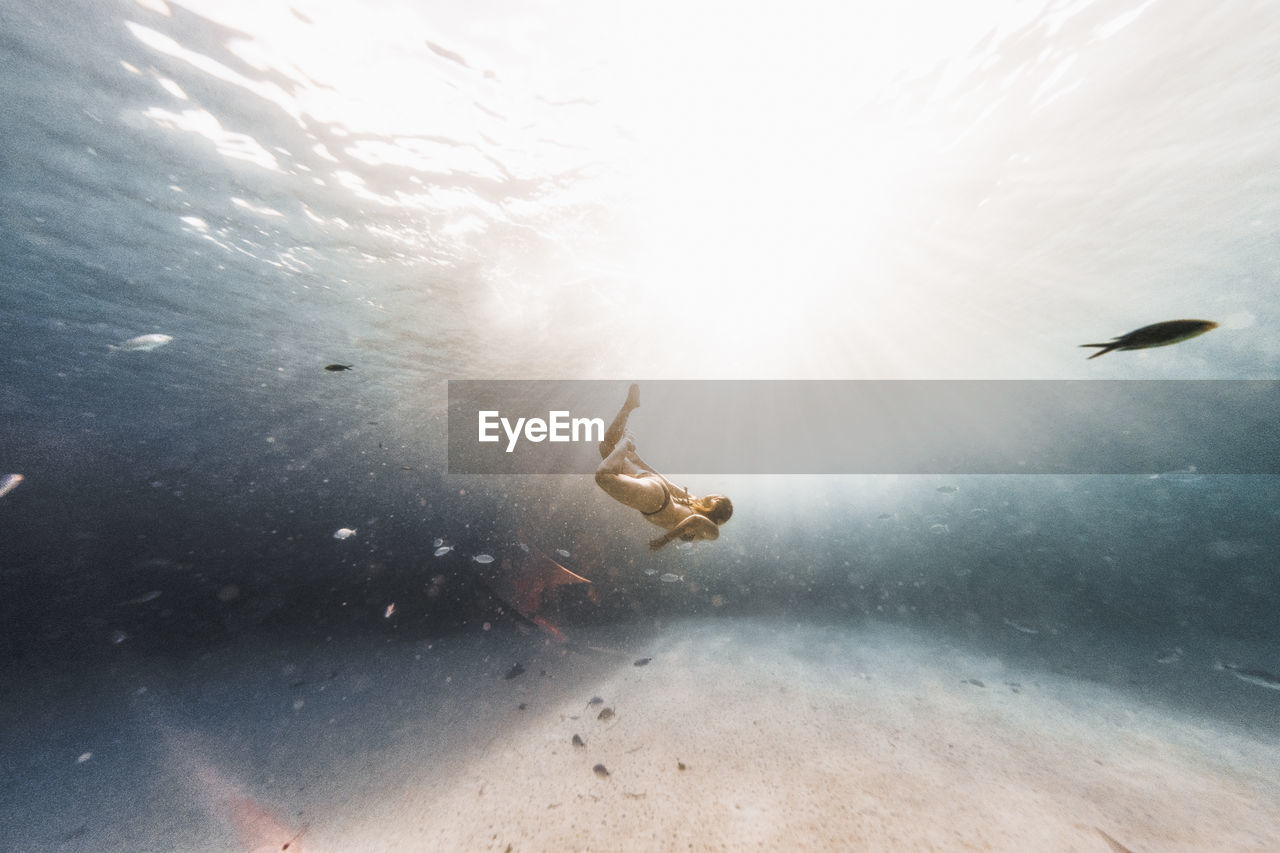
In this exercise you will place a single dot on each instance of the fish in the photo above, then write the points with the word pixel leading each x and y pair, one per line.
pixel 336 368
pixel 642 662
pixel 650 572
pixel 514 671
pixel 9 482
pixel 344 533
pixel 443 549
pixel 522 580
pixel 600 770
pixel 578 741
pixel 670 578
pixel 142 599
pixel 1259 677
pixel 483 559
pixel 1156 335
pixel 594 700
pixel 939 529
pixel 142 343
pixel 390 611
pixel 563 553
pixel 1172 655
pixel 1018 626
pixel 438 543
pixel 605 715
pixel 948 490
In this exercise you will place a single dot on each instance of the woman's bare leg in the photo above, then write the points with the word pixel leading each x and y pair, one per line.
pixel 618 428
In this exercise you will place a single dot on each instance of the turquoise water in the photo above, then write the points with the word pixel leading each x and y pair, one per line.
pixel 575 191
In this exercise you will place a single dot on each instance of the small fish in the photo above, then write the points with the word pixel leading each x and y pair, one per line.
pixel 650 572
pixel 1254 676
pixel 1172 655
pixel 443 549
pixel 600 770
pixel 975 682
pixel 344 533
pixel 142 599
pixel 483 559
pixel 671 578
pixel 391 609
pixel 1018 626
pixel 578 741
pixel 523 547
pixel 606 715
pixel 438 543
pixel 642 662
pixel 1156 335
pixel 563 553
pixel 948 490
pixel 335 368
pixel 9 482
pixel 594 700
pixel 514 671
pixel 978 512
pixel 142 343
pixel 939 529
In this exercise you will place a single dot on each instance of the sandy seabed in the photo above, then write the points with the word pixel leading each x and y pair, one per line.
pixel 732 737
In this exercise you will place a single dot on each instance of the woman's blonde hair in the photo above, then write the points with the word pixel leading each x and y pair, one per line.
pixel 718 508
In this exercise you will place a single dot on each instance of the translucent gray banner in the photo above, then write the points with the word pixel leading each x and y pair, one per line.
pixel 872 427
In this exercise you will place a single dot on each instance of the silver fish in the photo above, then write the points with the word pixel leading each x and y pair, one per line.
pixel 142 343
pixel 9 482
pixel 1018 626
pixel 344 533
pixel 1254 676
pixel 948 490
pixel 483 559
pixel 670 578
pixel 563 553
pixel 443 549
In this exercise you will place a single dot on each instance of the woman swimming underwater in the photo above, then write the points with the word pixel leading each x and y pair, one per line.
pixel 626 478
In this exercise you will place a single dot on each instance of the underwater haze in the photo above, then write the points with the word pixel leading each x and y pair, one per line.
pixel 246 244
